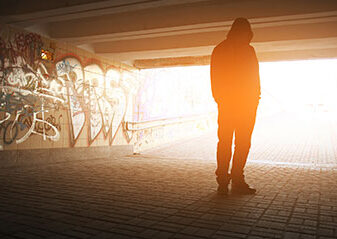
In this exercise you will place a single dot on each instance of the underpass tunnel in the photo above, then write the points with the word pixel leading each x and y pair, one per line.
pixel 108 125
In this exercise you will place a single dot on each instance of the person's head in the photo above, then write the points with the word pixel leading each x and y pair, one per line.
pixel 240 31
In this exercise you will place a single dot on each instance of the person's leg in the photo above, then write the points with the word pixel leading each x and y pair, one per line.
pixel 224 149
pixel 243 132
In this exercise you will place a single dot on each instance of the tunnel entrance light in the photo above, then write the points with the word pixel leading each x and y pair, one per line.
pixel 299 86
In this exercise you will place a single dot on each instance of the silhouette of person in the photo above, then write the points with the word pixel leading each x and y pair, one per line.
pixel 235 86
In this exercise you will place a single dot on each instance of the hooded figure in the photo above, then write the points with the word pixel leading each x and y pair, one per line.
pixel 236 89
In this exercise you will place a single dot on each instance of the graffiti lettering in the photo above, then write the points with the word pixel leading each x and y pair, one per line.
pixel 32 93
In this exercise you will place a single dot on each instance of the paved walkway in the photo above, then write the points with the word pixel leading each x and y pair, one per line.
pixel 304 140
pixel 170 193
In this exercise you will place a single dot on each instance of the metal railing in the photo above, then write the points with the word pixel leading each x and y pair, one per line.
pixel 143 125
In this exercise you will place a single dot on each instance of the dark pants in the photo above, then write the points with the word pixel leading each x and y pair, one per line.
pixel 236 118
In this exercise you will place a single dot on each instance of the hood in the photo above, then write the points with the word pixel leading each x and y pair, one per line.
pixel 241 31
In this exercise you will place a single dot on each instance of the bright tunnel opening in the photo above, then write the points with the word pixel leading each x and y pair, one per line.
pixel 297 115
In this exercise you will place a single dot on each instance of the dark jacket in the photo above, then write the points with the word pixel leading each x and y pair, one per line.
pixel 235 73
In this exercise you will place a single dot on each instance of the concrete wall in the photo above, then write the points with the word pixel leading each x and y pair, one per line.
pixel 75 99
pixel 165 132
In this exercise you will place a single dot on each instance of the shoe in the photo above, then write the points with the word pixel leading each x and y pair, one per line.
pixel 242 188
pixel 223 182
pixel 222 189
pixel 239 185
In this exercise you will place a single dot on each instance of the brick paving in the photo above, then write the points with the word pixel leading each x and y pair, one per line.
pixel 170 192
pixel 308 140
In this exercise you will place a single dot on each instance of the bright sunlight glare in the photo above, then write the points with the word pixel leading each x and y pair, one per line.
pixel 290 86
pixel 300 86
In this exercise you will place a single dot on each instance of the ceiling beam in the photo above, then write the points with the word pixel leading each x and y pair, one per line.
pixel 85 10
pixel 277 33
pixel 266 51
pixel 307 54
pixel 190 15
pixel 170 62
pixel 222 26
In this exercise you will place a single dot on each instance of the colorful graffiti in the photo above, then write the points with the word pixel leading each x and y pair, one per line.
pixel 94 97
pixel 34 92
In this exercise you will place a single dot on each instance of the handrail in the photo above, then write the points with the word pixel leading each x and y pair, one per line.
pixel 162 122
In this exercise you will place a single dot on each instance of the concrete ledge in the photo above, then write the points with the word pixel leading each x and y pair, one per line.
pixel 29 157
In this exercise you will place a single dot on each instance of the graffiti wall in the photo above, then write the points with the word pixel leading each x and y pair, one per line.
pixel 54 95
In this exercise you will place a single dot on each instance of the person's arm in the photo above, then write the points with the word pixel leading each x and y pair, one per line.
pixel 215 76
pixel 256 73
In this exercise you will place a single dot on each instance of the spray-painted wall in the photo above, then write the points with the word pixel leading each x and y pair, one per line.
pixel 70 99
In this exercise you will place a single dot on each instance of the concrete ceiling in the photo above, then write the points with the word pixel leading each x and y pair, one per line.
pixel 155 33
